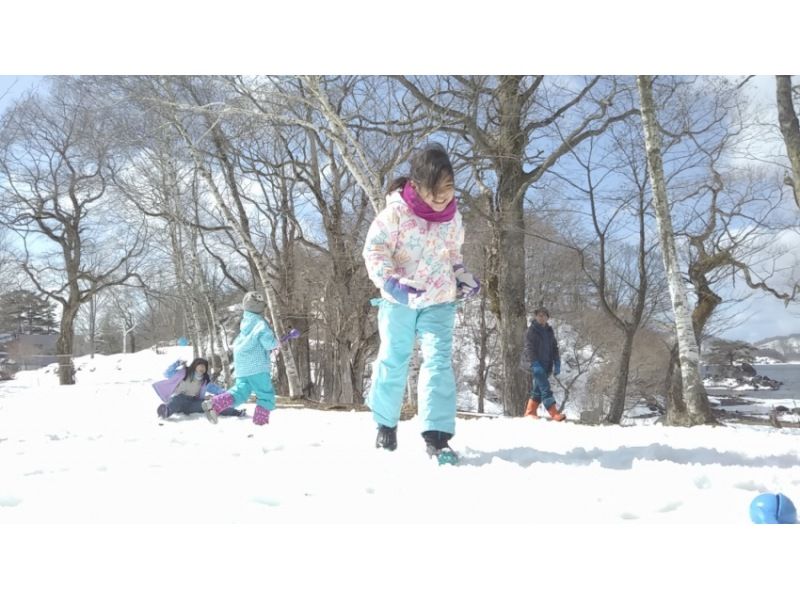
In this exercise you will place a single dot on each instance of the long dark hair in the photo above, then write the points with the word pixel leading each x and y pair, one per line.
pixel 191 367
pixel 430 166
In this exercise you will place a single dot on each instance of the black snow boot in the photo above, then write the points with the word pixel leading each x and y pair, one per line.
pixel 387 438
pixel 436 446
pixel 435 441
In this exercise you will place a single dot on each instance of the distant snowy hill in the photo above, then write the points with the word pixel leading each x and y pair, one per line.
pixel 788 346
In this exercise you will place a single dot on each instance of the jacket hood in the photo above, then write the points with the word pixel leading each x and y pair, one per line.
pixel 538 326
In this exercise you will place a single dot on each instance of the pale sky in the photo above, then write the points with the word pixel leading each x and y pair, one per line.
pixel 11 86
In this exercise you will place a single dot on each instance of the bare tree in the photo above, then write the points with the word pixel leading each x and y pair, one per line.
pixel 504 123
pixel 195 108
pixel 696 401
pixel 724 214
pixel 342 137
pixel 339 301
pixel 344 111
pixel 56 160
pixel 618 258
pixel 790 129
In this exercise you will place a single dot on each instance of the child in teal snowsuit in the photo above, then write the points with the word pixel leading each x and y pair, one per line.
pixel 413 255
pixel 251 351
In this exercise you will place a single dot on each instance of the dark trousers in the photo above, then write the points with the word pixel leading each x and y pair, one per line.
pixel 186 404
pixel 541 389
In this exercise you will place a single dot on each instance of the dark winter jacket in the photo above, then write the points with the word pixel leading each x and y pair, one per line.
pixel 541 346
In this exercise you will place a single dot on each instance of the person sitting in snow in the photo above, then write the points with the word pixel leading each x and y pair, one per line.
pixel 251 351
pixel 541 349
pixel 185 388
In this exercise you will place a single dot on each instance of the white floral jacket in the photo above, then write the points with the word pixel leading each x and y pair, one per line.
pixel 400 243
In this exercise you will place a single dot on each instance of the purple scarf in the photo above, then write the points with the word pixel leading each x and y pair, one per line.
pixel 423 210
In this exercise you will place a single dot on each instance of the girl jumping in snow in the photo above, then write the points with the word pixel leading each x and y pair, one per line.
pixel 413 255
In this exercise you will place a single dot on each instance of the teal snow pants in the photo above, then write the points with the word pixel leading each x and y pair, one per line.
pixel 260 384
pixel 398 325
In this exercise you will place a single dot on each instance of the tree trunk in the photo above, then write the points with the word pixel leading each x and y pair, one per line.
pixel 292 376
pixel 341 378
pixel 325 370
pixel 128 326
pixel 511 293
pixel 510 237
pixel 218 346
pixel 483 355
pixel 621 383
pixel 345 394
pixel 185 286
pixel 677 414
pixel 64 345
pixel 357 374
pixel 698 409
pixel 92 324
pixel 196 288
pixel 790 129
pixel 707 302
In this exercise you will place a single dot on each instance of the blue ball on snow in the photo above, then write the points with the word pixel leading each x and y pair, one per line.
pixel 772 508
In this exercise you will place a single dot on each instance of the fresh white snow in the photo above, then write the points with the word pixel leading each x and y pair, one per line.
pixel 96 453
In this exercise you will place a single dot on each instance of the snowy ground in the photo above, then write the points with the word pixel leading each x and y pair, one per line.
pixel 95 453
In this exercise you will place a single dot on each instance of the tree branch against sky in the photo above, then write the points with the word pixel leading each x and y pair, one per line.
pixel 55 193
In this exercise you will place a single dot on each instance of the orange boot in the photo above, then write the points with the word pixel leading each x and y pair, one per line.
pixel 554 414
pixel 531 408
